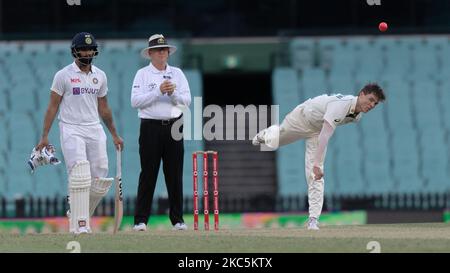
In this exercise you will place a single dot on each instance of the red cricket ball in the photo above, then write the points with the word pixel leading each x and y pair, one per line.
pixel 383 26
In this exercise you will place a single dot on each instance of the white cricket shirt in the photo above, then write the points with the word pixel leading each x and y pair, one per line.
pixel 146 95
pixel 79 105
pixel 336 109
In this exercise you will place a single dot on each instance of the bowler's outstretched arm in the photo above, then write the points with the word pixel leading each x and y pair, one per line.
pixel 324 136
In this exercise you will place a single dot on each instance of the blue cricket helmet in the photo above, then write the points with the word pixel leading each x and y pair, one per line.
pixel 84 41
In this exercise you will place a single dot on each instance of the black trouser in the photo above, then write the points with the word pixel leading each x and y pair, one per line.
pixel 156 143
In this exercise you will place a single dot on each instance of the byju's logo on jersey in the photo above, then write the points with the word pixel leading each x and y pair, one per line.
pixel 82 91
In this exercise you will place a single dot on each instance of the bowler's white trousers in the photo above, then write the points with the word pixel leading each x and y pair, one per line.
pixel 295 126
pixel 84 143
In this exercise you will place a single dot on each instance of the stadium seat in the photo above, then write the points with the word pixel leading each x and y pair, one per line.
pixel 291 174
pixel 313 82
pixel 8 48
pixel 343 62
pixel 194 78
pixel 405 159
pixel 3 102
pixel 114 45
pixel 399 112
pixel 302 51
pixel 444 98
pixel 328 48
pixel 400 147
pixel 60 46
pixel 330 169
pixel 340 84
pixel 285 87
pixel 37 47
pixel 349 160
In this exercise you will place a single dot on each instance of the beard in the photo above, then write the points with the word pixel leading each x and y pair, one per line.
pixel 85 61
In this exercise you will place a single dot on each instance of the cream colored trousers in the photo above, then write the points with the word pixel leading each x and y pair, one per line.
pixel 295 126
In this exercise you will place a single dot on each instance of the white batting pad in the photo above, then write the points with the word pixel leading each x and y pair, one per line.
pixel 99 188
pixel 79 184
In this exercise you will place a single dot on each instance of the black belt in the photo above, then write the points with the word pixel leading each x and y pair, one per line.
pixel 161 121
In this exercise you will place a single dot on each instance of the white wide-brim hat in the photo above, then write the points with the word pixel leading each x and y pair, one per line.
pixel 157 41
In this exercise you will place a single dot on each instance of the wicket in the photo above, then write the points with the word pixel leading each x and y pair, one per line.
pixel 205 188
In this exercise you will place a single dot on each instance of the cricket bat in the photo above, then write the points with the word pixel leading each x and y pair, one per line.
pixel 118 204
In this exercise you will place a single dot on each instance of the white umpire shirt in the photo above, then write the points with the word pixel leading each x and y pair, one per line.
pixel 335 109
pixel 146 95
pixel 79 105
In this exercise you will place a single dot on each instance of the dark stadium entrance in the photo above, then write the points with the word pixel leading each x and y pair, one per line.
pixel 237 88
pixel 247 175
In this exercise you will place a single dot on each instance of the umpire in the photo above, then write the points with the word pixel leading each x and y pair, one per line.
pixel 156 92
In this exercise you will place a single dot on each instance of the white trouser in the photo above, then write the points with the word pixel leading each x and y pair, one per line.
pixel 295 126
pixel 84 143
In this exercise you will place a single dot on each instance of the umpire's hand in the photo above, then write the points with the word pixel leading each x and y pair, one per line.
pixel 167 87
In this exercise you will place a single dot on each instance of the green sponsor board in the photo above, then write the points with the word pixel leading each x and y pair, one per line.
pixel 447 216
pixel 22 226
pixel 162 222
pixel 229 220
pixel 252 220
pixel 334 218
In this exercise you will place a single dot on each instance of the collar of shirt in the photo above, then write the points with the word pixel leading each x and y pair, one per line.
pixel 76 69
pixel 351 113
pixel 353 107
pixel 154 70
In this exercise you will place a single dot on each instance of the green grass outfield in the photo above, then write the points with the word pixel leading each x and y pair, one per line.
pixel 351 238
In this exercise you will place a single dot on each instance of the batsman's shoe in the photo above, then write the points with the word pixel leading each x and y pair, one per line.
pixel 82 230
pixel 180 226
pixel 259 138
pixel 140 227
pixel 313 224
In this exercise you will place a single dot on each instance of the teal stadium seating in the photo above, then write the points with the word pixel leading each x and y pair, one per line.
pixel 401 147
pixel 27 71
pixel 290 159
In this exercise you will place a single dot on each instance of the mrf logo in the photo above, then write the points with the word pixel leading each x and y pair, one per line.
pixel 82 223
pixel 76 80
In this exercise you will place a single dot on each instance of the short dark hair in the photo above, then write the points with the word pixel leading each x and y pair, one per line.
pixel 374 89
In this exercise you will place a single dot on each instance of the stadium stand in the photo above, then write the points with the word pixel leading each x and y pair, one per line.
pixel 290 159
pixel 25 89
pixel 390 150
pixel 400 147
